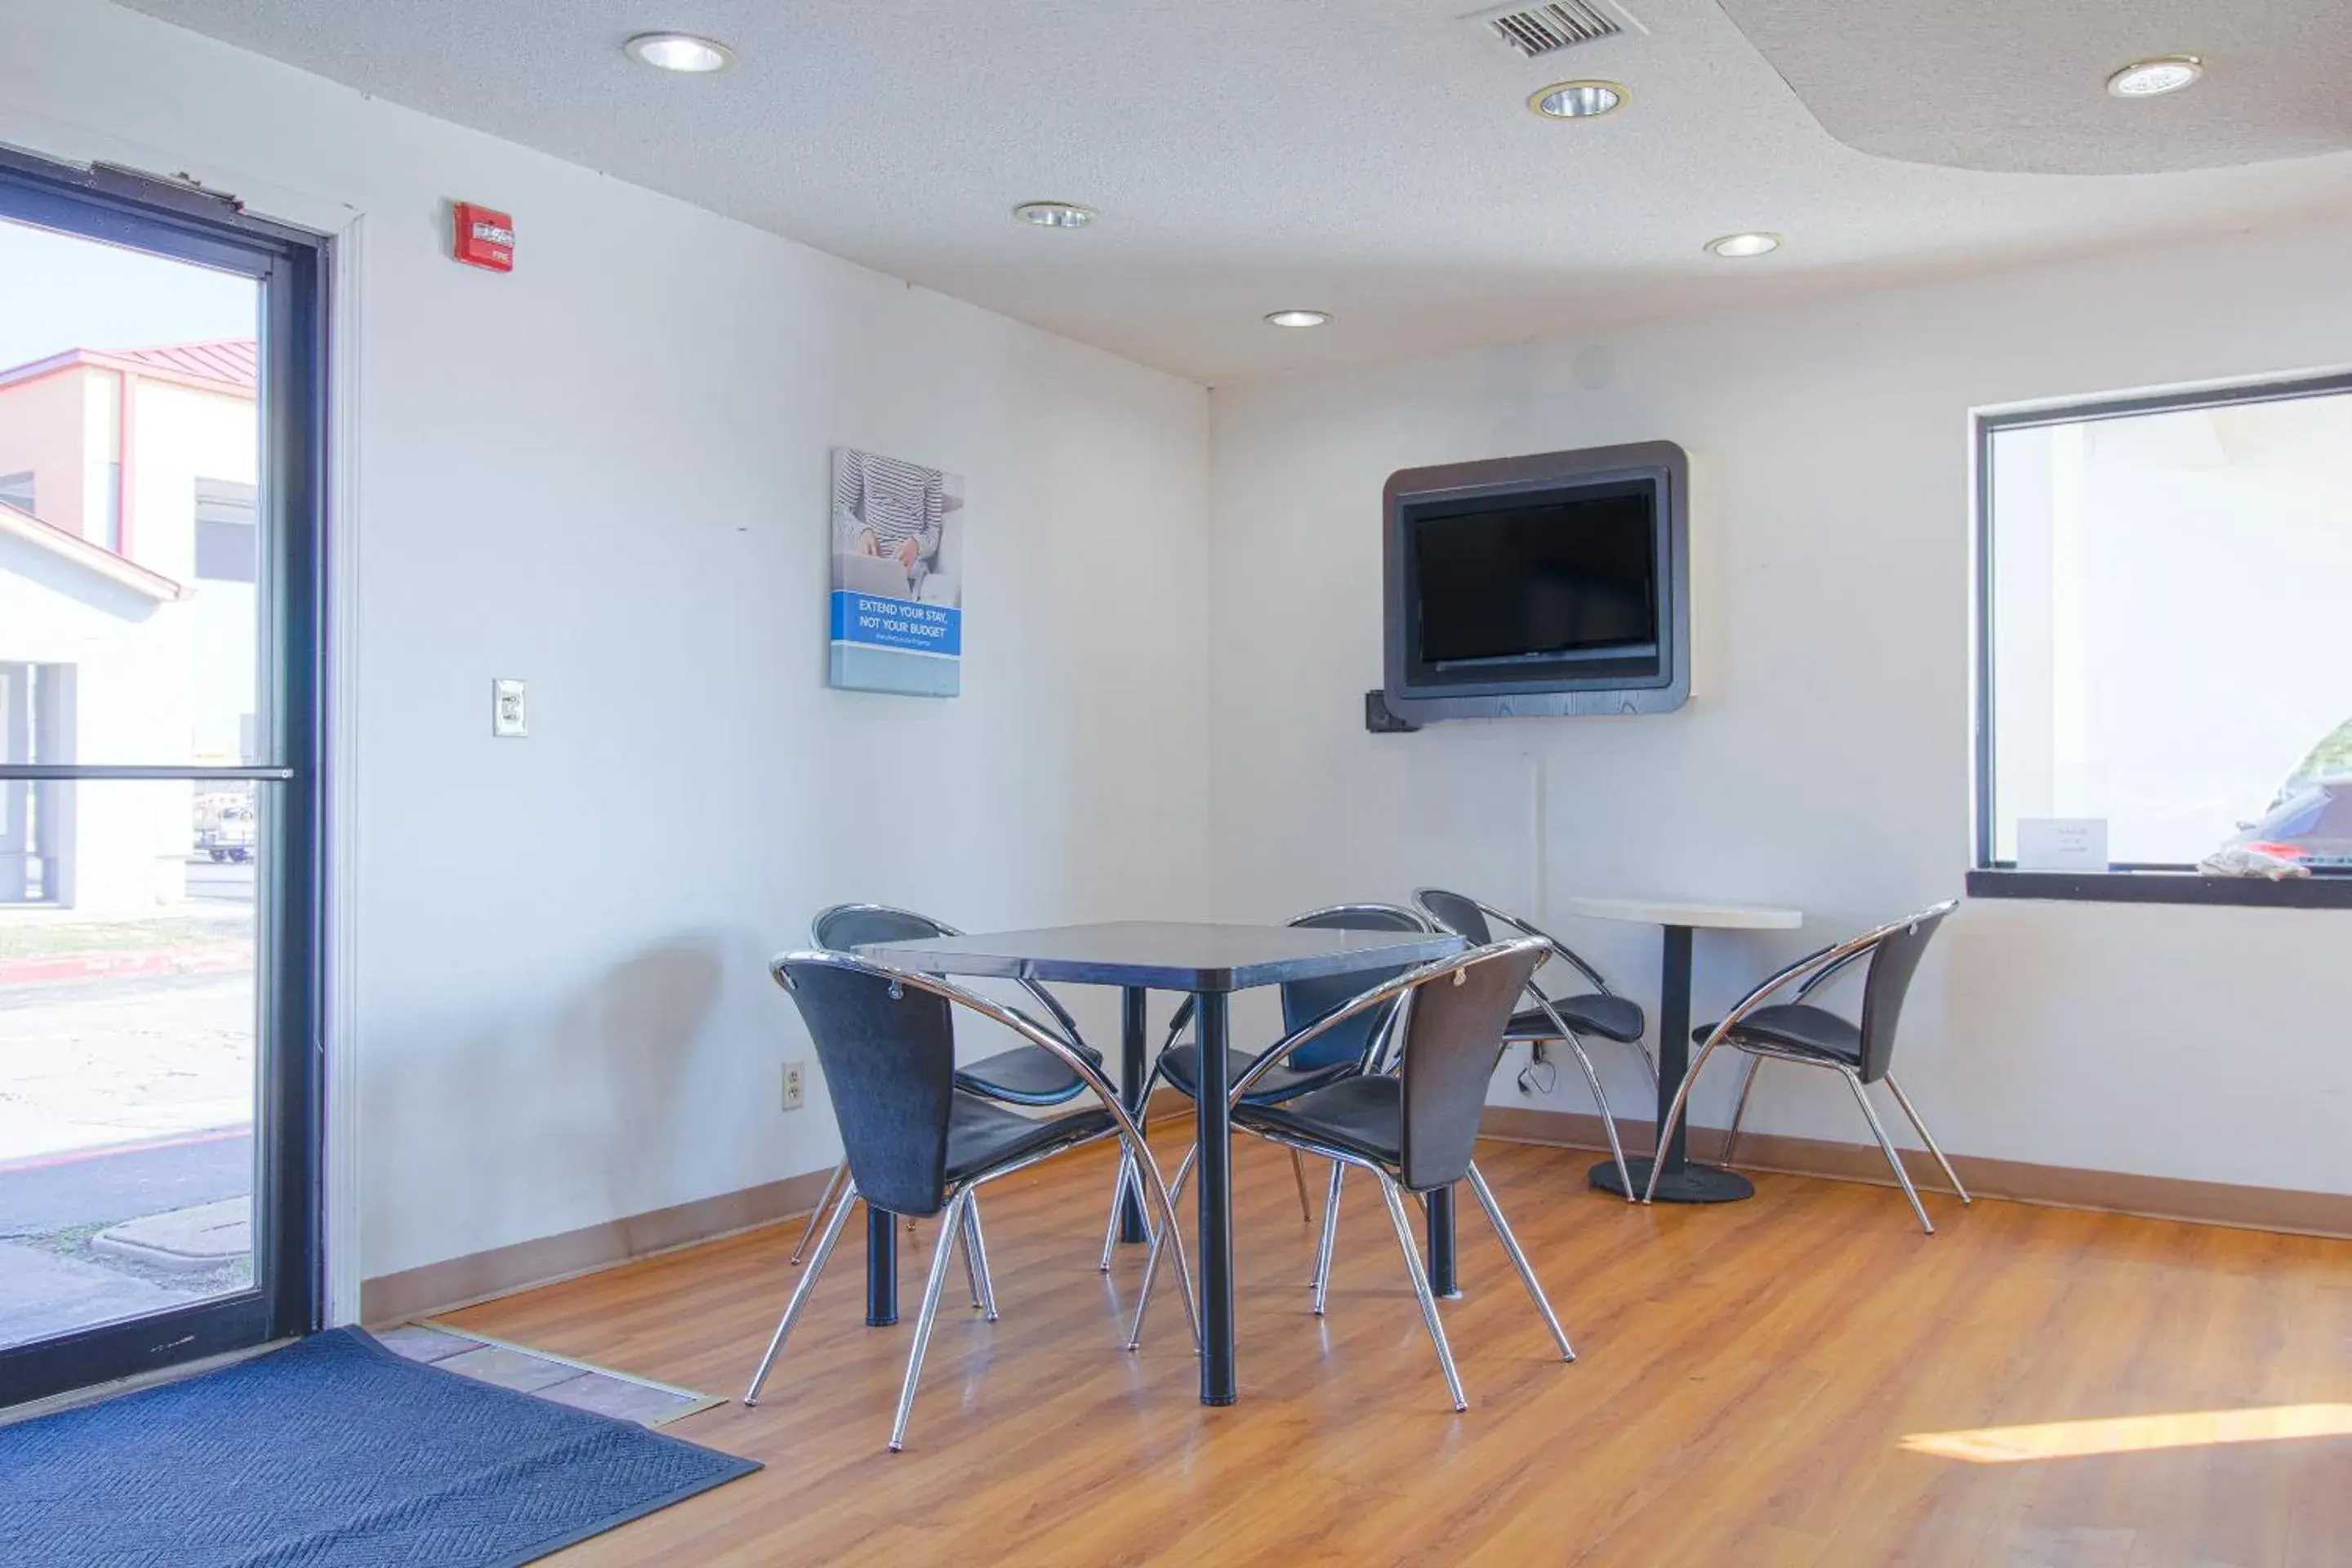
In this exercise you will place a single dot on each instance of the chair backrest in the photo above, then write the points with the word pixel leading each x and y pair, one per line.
pixel 1893 962
pixel 846 926
pixel 888 1054
pixel 1304 1000
pixel 1453 1038
pixel 1457 913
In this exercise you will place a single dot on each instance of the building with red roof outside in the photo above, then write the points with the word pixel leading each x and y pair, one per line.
pixel 129 554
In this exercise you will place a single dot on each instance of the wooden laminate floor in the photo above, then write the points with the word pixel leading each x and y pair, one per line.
pixel 1800 1379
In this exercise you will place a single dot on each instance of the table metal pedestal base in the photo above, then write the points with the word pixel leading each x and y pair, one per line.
pixel 1691 1184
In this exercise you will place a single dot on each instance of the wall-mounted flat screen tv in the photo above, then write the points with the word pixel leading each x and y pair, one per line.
pixel 1545 584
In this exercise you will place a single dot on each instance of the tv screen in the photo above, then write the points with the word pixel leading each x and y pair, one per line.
pixel 1522 579
pixel 1558 583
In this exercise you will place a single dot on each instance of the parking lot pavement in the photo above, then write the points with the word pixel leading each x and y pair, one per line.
pixel 126 1091
pixel 58 1271
pixel 105 1187
pixel 44 1293
pixel 130 1057
pixel 224 881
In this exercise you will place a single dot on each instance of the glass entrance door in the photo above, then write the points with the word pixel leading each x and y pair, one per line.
pixel 159 809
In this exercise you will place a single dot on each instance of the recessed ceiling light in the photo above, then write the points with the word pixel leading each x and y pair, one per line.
pixel 2153 77
pixel 1055 215
pixel 1298 318
pixel 681 52
pixel 1577 100
pixel 1736 246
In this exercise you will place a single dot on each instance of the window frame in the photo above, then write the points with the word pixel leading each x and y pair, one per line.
pixel 2128 882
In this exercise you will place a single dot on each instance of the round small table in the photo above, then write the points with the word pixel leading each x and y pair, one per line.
pixel 1679 1181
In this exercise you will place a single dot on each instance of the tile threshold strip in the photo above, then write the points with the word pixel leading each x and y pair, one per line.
pixel 695 1401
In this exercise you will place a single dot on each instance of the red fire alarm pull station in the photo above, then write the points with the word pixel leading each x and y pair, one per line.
pixel 484 239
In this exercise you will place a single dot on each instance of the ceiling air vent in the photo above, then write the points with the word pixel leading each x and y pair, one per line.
pixel 1536 30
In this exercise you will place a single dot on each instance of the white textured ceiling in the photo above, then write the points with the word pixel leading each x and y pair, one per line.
pixel 2019 85
pixel 1373 158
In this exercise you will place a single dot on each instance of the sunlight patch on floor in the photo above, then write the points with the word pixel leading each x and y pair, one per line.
pixel 2134 1434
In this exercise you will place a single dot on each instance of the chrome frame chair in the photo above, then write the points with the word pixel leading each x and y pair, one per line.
pixel 938 1189
pixel 1548 1005
pixel 1462 1091
pixel 1310 998
pixel 1892 953
pixel 823 930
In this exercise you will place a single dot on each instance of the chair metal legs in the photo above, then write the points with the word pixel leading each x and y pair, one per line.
pixel 1740 1112
pixel 1118 1198
pixel 970 1267
pixel 1409 1243
pixel 1119 1190
pixel 1127 1173
pixel 800 1292
pixel 1928 1138
pixel 1854 1081
pixel 960 1228
pixel 1675 1114
pixel 1518 1261
pixel 1411 1248
pixel 1151 1259
pixel 975 1262
pixel 816 1215
pixel 950 1228
pixel 1861 1097
pixel 1322 1281
pixel 1494 1216
pixel 1608 1121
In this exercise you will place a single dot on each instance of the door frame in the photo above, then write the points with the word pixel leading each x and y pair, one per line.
pixel 296 266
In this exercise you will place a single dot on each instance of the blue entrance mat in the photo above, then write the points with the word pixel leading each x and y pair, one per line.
pixel 331 1453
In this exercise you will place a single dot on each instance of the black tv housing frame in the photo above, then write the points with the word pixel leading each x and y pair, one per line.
pixel 1542 692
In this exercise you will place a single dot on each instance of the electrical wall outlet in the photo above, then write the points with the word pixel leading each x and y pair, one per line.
pixel 795 1085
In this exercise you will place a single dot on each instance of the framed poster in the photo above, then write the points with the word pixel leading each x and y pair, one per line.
pixel 897 576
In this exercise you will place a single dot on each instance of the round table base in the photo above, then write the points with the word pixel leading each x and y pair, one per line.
pixel 1691 1184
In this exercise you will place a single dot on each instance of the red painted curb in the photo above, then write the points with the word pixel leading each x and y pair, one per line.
pixel 135 1146
pixel 206 958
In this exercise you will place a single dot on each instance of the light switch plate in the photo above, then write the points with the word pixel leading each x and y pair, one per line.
pixel 508 719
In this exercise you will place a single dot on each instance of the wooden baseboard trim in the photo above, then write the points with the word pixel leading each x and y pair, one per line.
pixel 2058 1186
pixel 478 1276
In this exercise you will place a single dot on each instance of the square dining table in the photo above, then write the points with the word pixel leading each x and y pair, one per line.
pixel 1208 962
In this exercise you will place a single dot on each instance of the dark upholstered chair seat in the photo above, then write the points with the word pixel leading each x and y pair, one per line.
pixel 1025 1075
pixel 1181 1066
pixel 1362 1114
pixel 1611 1017
pixel 982 1136
pixel 1795 1026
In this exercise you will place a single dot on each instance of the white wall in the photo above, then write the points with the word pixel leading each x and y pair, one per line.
pixel 606 474
pixel 1824 760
